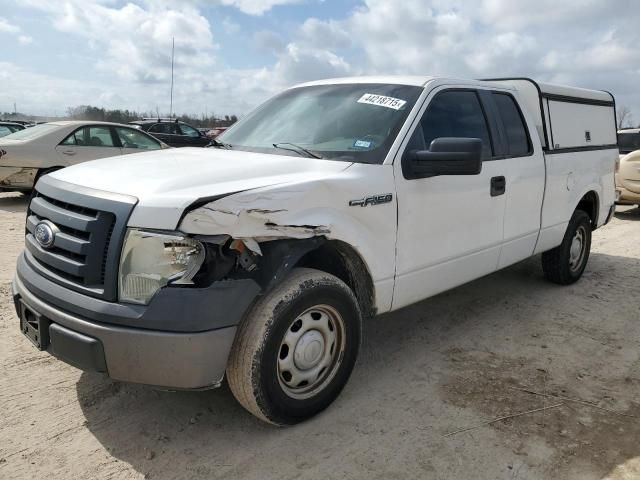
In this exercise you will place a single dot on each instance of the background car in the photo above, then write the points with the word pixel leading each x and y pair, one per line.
pixel 30 153
pixel 214 132
pixel 7 128
pixel 173 132
pixel 628 167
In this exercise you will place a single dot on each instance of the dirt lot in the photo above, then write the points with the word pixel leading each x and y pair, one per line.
pixel 449 363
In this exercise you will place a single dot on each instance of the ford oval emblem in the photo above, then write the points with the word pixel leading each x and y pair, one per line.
pixel 45 233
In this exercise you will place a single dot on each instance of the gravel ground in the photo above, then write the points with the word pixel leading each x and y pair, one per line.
pixel 456 361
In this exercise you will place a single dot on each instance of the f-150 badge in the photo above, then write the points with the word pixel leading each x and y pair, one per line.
pixel 373 200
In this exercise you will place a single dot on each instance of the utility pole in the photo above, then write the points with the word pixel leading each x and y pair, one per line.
pixel 173 46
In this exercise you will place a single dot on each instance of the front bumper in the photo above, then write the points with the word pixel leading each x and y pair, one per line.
pixel 17 178
pixel 170 359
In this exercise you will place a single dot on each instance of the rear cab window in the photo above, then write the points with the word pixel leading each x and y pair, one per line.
pixel 518 141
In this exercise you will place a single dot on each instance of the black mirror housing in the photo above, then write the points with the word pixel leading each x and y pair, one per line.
pixel 446 156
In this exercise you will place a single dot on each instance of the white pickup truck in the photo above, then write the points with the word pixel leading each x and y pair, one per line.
pixel 332 202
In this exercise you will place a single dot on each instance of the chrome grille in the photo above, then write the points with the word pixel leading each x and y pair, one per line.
pixel 90 228
pixel 80 247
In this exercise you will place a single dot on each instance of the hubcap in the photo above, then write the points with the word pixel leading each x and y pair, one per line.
pixel 311 351
pixel 577 249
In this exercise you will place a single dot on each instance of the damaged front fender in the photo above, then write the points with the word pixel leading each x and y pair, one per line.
pixel 259 224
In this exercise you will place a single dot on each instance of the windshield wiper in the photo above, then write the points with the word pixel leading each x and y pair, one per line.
pixel 296 148
pixel 218 144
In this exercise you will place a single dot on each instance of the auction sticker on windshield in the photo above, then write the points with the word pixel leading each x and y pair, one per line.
pixel 382 101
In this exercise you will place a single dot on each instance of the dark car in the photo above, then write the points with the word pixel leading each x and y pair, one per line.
pixel 7 128
pixel 173 132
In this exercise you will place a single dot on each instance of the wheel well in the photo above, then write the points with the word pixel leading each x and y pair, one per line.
pixel 340 259
pixel 589 204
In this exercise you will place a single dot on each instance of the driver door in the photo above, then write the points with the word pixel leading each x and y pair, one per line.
pixel 450 227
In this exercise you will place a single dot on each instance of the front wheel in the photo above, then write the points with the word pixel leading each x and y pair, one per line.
pixel 296 349
pixel 566 263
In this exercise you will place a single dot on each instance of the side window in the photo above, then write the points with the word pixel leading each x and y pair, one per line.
pixel 189 131
pixel 454 113
pixel 76 138
pixel 130 138
pixel 517 137
pixel 100 137
pixel 167 128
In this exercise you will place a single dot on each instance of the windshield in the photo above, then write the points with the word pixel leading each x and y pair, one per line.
pixel 33 132
pixel 628 142
pixel 350 122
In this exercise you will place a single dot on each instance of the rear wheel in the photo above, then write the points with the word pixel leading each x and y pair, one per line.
pixel 566 263
pixel 296 349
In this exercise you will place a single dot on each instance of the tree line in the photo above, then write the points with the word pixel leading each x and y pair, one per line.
pixel 88 112
pixel 91 113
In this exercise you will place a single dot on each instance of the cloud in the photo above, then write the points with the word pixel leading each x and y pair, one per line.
pixel 134 42
pixel 328 34
pixel 256 7
pixel 25 39
pixel 6 27
pixel 299 64
pixel 587 43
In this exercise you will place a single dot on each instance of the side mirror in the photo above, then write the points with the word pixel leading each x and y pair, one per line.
pixel 446 156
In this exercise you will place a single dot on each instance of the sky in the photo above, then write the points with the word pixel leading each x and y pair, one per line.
pixel 230 55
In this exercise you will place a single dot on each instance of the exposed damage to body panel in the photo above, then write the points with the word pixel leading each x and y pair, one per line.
pixel 264 241
pixel 17 178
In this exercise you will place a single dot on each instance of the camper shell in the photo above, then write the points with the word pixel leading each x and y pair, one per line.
pixel 568 118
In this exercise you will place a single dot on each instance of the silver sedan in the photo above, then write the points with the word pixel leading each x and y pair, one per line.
pixel 28 154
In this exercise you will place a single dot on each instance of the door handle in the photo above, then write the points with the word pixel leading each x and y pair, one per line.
pixel 69 152
pixel 498 186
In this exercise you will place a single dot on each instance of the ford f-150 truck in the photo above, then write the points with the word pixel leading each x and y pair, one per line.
pixel 334 201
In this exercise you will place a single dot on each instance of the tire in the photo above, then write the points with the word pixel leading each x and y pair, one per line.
pixel 565 264
pixel 279 346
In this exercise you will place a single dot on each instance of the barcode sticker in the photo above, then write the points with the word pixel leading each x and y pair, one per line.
pixel 382 101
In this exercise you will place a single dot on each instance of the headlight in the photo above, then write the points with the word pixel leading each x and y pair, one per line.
pixel 150 260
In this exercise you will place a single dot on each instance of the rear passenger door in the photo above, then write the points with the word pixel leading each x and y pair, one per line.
pixel 88 143
pixel 524 177
pixel 450 227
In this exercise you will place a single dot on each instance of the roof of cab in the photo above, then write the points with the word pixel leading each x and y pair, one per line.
pixel 509 83
pixel 411 80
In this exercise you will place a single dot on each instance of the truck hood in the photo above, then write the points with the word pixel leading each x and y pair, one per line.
pixel 165 182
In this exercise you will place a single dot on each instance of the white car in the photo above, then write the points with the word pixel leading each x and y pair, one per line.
pixel 28 154
pixel 332 202
pixel 628 167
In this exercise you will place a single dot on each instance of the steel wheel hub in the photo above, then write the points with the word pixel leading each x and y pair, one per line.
pixel 577 249
pixel 311 351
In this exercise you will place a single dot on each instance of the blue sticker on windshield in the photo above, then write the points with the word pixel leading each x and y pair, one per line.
pixel 362 144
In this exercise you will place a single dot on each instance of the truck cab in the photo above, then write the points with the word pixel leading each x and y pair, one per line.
pixel 260 257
